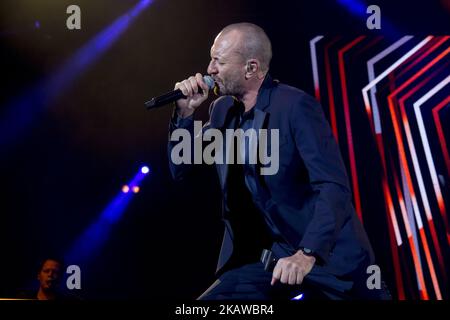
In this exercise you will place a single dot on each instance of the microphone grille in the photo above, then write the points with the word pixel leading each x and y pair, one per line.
pixel 209 81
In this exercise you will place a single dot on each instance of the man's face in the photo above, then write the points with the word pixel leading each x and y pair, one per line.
pixel 227 67
pixel 49 275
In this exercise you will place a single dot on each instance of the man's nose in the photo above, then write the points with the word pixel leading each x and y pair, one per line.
pixel 211 68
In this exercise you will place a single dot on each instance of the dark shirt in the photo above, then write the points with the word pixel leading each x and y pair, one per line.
pixel 250 232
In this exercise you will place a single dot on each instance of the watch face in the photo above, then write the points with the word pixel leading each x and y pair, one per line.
pixel 307 251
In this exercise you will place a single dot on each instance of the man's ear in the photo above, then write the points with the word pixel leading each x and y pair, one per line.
pixel 251 68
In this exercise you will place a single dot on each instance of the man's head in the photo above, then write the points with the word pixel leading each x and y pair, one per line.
pixel 49 274
pixel 240 58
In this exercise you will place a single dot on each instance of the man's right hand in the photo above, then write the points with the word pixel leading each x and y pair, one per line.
pixel 190 88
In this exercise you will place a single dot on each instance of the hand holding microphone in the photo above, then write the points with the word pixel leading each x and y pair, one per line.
pixel 188 94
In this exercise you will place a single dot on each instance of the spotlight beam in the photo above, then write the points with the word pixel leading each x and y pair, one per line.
pixel 93 238
pixel 22 110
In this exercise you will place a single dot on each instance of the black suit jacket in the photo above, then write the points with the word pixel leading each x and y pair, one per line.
pixel 308 201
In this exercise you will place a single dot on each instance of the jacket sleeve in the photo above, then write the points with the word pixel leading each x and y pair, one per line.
pixel 186 125
pixel 179 171
pixel 327 175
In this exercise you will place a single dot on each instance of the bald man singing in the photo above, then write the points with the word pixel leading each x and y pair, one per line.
pixel 293 230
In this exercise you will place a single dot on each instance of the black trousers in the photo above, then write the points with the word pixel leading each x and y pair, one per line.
pixel 252 282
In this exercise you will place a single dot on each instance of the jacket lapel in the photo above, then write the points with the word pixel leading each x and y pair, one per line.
pixel 223 168
pixel 260 116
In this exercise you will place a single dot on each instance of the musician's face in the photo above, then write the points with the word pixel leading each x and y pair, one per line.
pixel 227 66
pixel 49 275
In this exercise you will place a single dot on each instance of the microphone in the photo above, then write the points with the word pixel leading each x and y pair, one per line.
pixel 174 95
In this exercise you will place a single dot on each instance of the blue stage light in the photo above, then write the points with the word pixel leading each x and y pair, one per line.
pixel 99 231
pixel 21 111
pixel 299 297
pixel 359 8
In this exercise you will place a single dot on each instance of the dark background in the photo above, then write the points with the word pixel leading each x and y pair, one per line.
pixel 61 172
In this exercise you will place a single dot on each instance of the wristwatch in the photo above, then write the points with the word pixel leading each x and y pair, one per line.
pixel 308 252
